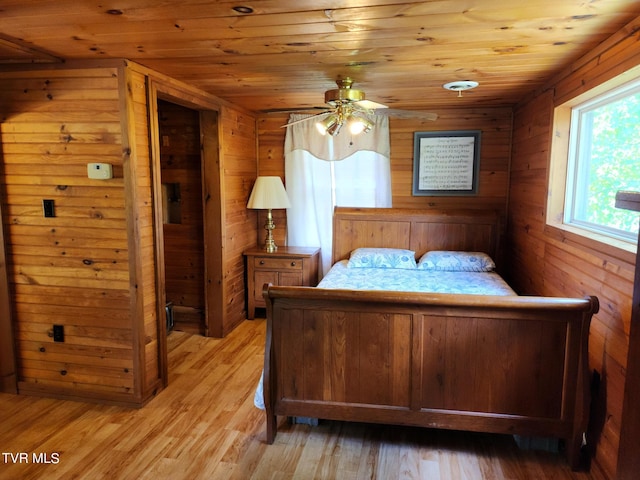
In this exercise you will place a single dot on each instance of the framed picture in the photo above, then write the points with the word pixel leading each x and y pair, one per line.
pixel 446 163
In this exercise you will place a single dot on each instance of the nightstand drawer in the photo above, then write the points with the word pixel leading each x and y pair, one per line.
pixel 268 263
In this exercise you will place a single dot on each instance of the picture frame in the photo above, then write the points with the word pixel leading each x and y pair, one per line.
pixel 446 162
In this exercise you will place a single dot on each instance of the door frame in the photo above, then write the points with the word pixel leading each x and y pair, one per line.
pixel 210 177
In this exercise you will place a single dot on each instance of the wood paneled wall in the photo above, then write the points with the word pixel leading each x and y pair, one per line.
pixel 148 334
pixel 546 262
pixel 495 124
pixel 93 267
pixel 73 269
pixel 238 165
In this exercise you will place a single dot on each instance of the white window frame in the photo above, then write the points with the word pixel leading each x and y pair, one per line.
pixel 563 175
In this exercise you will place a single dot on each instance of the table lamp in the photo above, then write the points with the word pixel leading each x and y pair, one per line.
pixel 268 193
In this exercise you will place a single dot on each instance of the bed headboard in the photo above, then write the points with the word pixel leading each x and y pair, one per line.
pixel 417 230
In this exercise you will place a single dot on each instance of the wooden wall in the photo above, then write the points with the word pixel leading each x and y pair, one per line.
pixel 73 269
pixel 148 335
pixel 93 268
pixel 548 262
pixel 495 124
pixel 238 149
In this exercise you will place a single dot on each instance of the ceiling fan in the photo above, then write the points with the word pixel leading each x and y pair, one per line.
pixel 348 106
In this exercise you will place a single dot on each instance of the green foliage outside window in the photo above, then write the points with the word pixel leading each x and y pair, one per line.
pixel 614 162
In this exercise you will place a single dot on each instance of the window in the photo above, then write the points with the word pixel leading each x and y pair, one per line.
pixel 602 157
pixel 316 186
pixel 324 171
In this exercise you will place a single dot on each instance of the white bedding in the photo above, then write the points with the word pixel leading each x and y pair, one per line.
pixel 415 280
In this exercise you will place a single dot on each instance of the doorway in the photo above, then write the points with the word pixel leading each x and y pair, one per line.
pixel 187 214
pixel 182 216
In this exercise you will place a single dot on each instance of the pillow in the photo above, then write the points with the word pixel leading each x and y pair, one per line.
pixel 446 261
pixel 382 258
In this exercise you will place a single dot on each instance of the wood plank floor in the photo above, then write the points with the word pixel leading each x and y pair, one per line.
pixel 204 426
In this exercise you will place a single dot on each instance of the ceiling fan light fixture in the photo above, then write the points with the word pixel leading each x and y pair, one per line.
pixel 349 106
pixel 344 94
pixel 359 125
pixel 327 123
pixel 334 129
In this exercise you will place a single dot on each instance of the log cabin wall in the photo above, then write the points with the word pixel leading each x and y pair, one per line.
pixel 148 334
pixel 238 171
pixel 92 267
pixel 238 151
pixel 494 123
pixel 73 269
pixel 8 379
pixel 546 262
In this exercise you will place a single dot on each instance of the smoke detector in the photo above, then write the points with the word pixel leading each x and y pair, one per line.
pixel 460 86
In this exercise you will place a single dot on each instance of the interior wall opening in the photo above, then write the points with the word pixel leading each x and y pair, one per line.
pixel 182 214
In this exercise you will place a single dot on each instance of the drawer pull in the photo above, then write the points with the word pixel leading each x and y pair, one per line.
pixel 261 262
pixel 293 264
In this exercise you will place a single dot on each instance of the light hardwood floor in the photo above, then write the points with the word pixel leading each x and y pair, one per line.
pixel 204 426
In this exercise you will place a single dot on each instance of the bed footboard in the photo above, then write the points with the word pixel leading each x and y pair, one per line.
pixel 514 365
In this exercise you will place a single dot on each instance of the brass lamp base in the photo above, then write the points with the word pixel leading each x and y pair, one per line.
pixel 269 244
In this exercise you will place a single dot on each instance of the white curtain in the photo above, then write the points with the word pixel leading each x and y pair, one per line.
pixel 305 136
pixel 362 178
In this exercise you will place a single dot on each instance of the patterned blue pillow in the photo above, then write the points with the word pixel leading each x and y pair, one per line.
pixel 446 261
pixel 382 258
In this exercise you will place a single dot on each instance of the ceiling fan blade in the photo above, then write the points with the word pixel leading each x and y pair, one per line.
pixel 397 113
pixel 369 105
pixel 306 119
pixel 295 110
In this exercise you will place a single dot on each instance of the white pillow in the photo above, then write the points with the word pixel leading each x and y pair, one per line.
pixel 449 261
pixel 382 258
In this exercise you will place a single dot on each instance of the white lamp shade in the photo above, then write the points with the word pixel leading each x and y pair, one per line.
pixel 268 192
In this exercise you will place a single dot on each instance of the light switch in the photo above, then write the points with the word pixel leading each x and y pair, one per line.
pixel 48 208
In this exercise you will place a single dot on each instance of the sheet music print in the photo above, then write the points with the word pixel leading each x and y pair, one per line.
pixel 446 163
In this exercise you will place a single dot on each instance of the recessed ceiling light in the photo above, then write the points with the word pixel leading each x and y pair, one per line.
pixel 241 9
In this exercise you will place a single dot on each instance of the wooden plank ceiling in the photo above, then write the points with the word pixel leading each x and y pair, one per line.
pixel 286 53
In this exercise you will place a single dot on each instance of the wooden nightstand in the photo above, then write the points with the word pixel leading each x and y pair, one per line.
pixel 290 266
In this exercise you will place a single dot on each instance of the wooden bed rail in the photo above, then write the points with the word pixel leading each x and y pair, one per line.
pixel 588 304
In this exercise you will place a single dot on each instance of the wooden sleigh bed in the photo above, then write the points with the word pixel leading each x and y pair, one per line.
pixel 500 364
